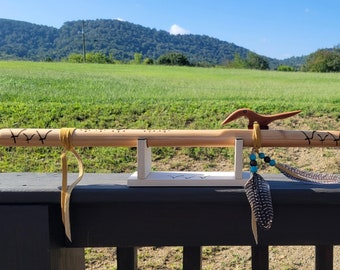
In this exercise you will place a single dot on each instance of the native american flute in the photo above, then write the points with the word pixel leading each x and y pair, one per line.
pixel 177 138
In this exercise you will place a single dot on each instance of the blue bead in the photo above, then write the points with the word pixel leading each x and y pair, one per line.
pixel 253 169
pixel 252 156
pixel 261 155
pixel 272 162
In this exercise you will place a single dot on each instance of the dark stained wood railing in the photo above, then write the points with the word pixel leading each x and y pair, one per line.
pixel 107 213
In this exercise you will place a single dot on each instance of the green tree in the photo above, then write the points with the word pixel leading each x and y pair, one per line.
pixel 97 57
pixel 237 62
pixel 255 61
pixel 323 61
pixel 252 61
pixel 173 59
pixel 148 61
pixel 138 57
pixel 75 58
pixel 91 57
pixel 285 68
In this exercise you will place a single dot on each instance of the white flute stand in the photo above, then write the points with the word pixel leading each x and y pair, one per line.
pixel 144 176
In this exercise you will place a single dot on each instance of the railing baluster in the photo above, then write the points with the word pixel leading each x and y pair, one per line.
pixel 324 257
pixel 259 258
pixel 126 258
pixel 192 258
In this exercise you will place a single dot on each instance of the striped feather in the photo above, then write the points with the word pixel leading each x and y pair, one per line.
pixel 309 177
pixel 258 194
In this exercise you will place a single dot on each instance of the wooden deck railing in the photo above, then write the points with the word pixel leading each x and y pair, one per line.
pixel 107 213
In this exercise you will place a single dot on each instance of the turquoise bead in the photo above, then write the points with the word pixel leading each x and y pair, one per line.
pixel 261 155
pixel 253 169
pixel 272 162
pixel 252 156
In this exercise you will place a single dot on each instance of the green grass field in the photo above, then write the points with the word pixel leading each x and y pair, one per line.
pixel 59 95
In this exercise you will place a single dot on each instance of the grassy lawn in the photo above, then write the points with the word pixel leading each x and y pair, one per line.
pixel 91 84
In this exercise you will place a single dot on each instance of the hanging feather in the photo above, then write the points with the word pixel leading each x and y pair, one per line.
pixel 309 177
pixel 258 194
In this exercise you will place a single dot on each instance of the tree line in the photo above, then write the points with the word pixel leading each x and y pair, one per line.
pixel 320 61
pixel 253 61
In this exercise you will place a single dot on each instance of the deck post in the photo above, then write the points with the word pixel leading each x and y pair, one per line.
pixel 126 258
pixel 324 257
pixel 260 257
pixel 192 258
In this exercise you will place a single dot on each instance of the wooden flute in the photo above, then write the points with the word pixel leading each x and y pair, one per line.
pixel 28 137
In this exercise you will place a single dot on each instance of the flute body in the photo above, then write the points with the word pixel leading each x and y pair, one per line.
pixel 176 138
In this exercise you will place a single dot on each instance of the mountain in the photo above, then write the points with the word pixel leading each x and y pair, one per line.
pixel 119 39
pixel 123 39
pixel 22 40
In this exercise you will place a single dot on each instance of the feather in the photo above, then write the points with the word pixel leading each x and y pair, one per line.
pixel 309 177
pixel 258 195
pixel 254 227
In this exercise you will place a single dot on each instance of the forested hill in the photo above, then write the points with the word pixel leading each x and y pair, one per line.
pixel 112 37
pixel 121 40
pixel 22 40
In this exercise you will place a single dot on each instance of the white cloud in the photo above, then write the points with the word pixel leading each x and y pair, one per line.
pixel 120 19
pixel 178 30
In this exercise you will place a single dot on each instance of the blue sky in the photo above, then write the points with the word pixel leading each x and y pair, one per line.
pixel 274 28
